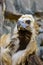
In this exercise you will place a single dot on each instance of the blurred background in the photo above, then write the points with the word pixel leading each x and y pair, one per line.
pixel 21 7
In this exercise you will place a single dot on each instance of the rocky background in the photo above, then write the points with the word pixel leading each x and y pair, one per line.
pixel 23 7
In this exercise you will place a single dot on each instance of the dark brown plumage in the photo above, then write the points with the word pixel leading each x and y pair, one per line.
pixel 24 37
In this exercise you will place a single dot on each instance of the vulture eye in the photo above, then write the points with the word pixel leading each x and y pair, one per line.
pixel 28 21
